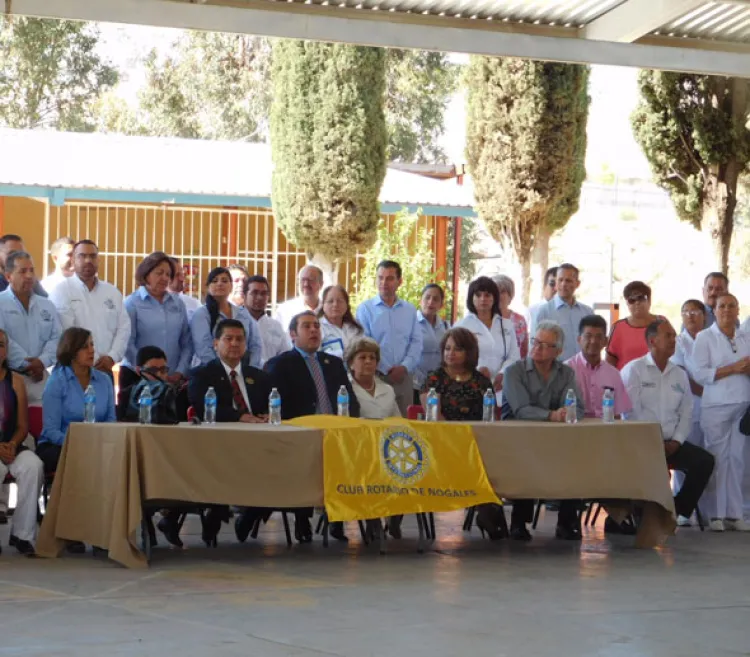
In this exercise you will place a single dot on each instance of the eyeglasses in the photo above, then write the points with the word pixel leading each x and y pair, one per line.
pixel 641 298
pixel 542 345
pixel 155 371
pixel 692 313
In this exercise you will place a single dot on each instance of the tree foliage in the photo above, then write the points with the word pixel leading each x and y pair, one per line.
pixel 328 139
pixel 693 131
pixel 410 247
pixel 51 74
pixel 526 143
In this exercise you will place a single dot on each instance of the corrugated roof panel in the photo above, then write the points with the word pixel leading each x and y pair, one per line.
pixel 725 21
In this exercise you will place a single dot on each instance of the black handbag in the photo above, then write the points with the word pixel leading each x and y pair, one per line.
pixel 163 402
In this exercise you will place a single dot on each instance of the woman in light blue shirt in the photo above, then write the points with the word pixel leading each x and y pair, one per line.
pixel 158 319
pixel 62 401
pixel 218 307
pixel 433 328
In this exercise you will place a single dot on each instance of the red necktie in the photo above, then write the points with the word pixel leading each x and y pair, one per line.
pixel 239 400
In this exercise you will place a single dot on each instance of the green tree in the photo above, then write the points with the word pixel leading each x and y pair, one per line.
pixel 526 142
pixel 328 139
pixel 51 74
pixel 410 247
pixel 693 131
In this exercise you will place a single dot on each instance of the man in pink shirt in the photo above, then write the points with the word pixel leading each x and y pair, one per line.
pixel 594 374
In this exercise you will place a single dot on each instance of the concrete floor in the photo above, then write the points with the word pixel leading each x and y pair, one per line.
pixel 464 596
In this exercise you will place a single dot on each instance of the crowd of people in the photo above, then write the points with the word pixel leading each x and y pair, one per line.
pixel 62 338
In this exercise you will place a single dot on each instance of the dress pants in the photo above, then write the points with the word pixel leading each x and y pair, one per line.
pixel 28 472
pixel 404 392
pixel 697 464
pixel 721 430
pixel 49 453
pixel 678 477
pixel 523 513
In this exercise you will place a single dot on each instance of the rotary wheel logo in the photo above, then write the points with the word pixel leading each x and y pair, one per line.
pixel 404 455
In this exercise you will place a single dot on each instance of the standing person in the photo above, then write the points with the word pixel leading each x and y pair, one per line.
pixel 308 381
pixel 31 323
pixel 627 340
pixel 157 319
pixel 61 252
pixel 549 287
pixel 693 320
pixel 392 323
pixel 85 301
pixel 239 275
pixel 714 285
pixel 498 347
pixel 8 244
pixel 177 287
pixel 535 389
pixel 660 392
pixel 507 289
pixel 433 328
pixel 565 309
pixel 722 364
pixel 15 458
pixel 310 282
pixel 337 323
pixel 218 306
pixel 274 338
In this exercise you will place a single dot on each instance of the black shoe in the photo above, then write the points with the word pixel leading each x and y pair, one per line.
pixel 210 526
pixel 303 530
pixel 520 533
pixel 611 526
pixel 24 547
pixel 394 529
pixel 99 551
pixel 568 533
pixel 373 530
pixel 3 518
pixel 169 528
pixel 243 525
pixel 12 540
pixel 76 547
pixel 336 530
pixel 495 533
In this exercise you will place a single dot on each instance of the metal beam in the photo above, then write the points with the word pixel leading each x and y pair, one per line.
pixel 634 19
pixel 330 23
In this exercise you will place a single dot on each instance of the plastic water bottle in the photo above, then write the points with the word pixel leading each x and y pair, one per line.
pixel 274 407
pixel 209 406
pixel 343 401
pixel 433 400
pixel 608 405
pixel 571 402
pixel 89 405
pixel 488 406
pixel 145 402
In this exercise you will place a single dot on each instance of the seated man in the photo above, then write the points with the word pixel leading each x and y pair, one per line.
pixel 241 396
pixel 150 363
pixel 535 389
pixel 308 381
pixel 660 392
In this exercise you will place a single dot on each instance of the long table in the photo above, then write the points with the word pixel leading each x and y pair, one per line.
pixel 108 471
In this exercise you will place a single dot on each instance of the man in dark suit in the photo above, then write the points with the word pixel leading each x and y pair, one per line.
pixel 241 396
pixel 308 381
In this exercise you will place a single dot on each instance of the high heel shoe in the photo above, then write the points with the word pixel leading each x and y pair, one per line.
pixel 495 533
pixel 303 530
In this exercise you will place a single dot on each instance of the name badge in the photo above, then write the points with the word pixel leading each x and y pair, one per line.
pixel 648 384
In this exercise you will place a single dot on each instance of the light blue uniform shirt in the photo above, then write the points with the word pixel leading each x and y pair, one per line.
pixel 395 329
pixel 164 325
pixel 203 339
pixel 568 317
pixel 62 402
pixel 430 359
pixel 33 333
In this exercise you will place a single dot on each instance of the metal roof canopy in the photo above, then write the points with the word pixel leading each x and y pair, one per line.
pixel 681 35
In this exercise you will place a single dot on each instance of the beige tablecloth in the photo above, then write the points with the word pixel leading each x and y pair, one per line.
pixel 107 471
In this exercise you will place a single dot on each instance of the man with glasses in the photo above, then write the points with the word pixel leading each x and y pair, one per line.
pixel 549 287
pixel 275 340
pixel 535 389
pixel 85 301
pixel 564 309
pixel 310 280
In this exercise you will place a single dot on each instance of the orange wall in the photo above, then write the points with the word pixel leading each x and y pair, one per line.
pixel 25 217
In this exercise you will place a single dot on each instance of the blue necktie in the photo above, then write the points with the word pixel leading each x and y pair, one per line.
pixel 324 404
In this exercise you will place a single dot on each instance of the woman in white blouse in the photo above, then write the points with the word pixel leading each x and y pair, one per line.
pixel 377 400
pixel 337 324
pixel 496 336
pixel 722 363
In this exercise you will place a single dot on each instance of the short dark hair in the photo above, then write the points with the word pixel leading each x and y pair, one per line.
pixel 10 261
pixel 567 265
pixel 151 262
pixel 226 324
pixel 463 339
pixel 257 278
pixel 295 320
pixel 433 286
pixel 348 317
pixel 60 242
pixel 592 321
pixel 483 284
pixel 81 242
pixel 389 264
pixel 71 342
pixel 694 302
pixel 148 353
pixel 716 274
pixel 552 271
pixel 10 237
pixel 636 286
pixel 653 328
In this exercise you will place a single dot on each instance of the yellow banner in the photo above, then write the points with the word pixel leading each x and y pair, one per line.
pixel 375 469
